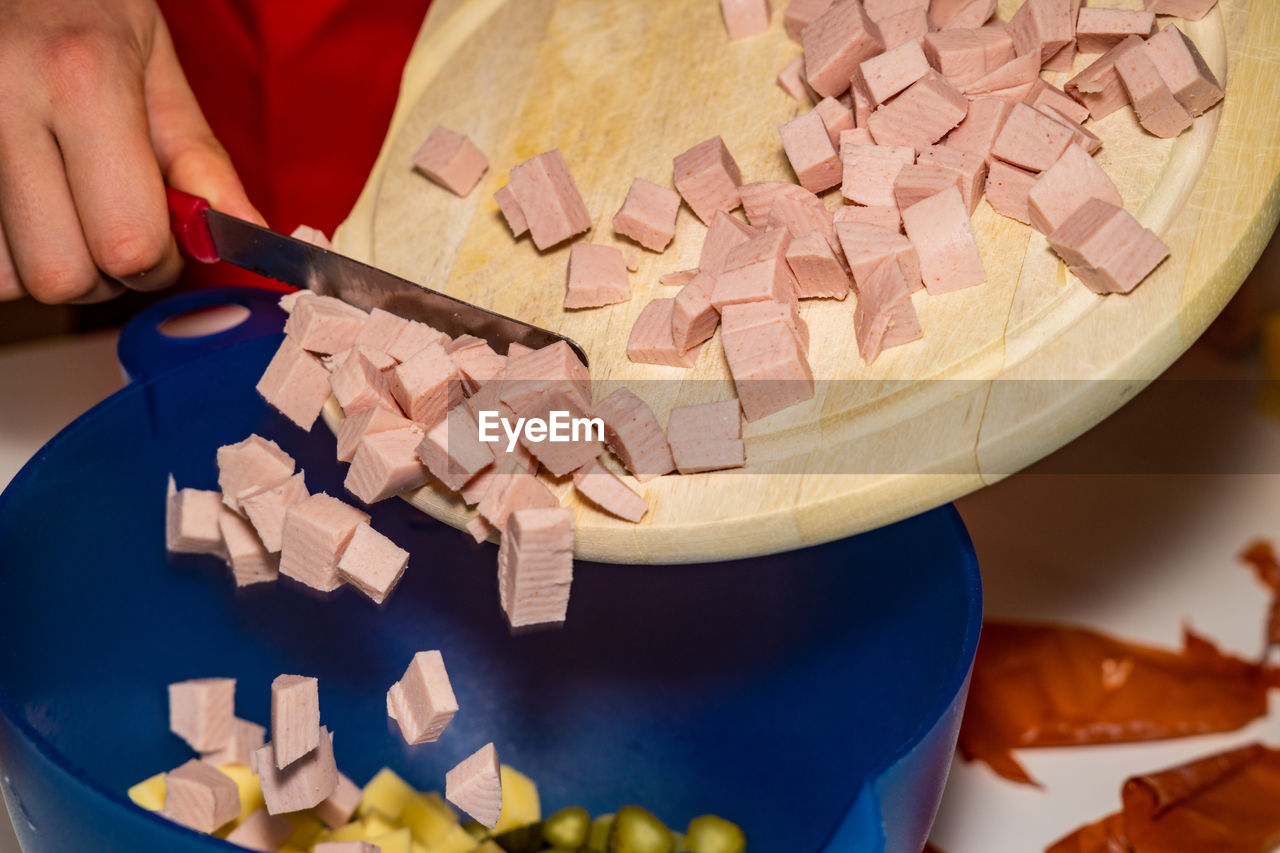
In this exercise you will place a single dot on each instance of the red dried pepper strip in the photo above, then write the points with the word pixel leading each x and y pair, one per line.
pixel 1105 836
pixel 1262 558
pixel 1048 685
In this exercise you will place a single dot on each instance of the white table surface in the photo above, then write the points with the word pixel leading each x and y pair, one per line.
pixel 1135 555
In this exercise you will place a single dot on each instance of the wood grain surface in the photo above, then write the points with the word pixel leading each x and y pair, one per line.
pixel 1006 373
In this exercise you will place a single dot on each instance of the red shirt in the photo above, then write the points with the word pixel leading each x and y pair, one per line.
pixel 299 91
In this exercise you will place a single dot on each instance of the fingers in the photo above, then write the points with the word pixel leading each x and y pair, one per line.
pixel 190 157
pixel 100 123
pixel 10 284
pixel 46 245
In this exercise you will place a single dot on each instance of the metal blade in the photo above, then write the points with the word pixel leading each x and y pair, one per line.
pixel 298 263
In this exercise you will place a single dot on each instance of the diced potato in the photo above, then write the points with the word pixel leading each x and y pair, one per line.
pixel 455 840
pixel 429 817
pixel 250 788
pixel 149 793
pixel 489 846
pixel 397 841
pixel 386 793
pixel 375 824
pixel 353 831
pixel 307 828
pixel 520 805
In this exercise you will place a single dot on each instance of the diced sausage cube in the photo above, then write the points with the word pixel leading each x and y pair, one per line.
pixel 427 385
pixel 652 340
pixel 1065 187
pixel 1031 140
pixel 939 229
pixel 885 216
pixel 200 797
pixel 866 246
pixel 1046 26
pixel 767 362
pixel 549 199
pixel 1107 249
pixel 338 808
pixel 921 115
pixel 606 490
pixel 202 712
pixel 836 117
pixel 1080 135
pixel 817 271
pixel 708 178
pixel 314 236
pixel 245 738
pixel 295 718
pixel 707 437
pixel 265 509
pixel 474 785
pixel 632 432
pixel 511 211
pixel 452 449
pixel 835 44
pixel 356 427
pixel 745 18
pixel 452 160
pixel 791 79
pixel 960 55
pixel 372 563
pixel 1008 190
pixel 295 384
pixel 250 560
pixel 648 215
pixel 535 566
pixel 1099 30
pixel 1184 70
pixel 756 270
pixel 381 330
pixel 530 373
pixel 262 831
pixel 758 199
pixel 422 701
pixel 1192 10
pixel 977 133
pixel 560 457
pixel 809 150
pixel 870 172
pixel 512 489
pixel 901 27
pixel 1010 82
pixel 304 784
pixel 800 220
pixel 921 181
pixel 1158 110
pixel 597 276
pixel 316 532
pixel 969 171
pixel 693 318
pixel 191 521
pixel 413 339
pixel 359 384
pixel 1045 97
pixel 883 76
pixel 723 234
pixel 1098 86
pixel 960 14
pixel 324 325
pixel 478 365
pixel 884 316
pixel 802 13
pixel 386 463
pixel 255 463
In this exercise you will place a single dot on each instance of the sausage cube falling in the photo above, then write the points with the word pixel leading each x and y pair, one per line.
pixel 245 738
pixel 295 718
pixel 202 712
pixel 316 532
pixel 254 463
pixel 337 808
pixel 250 560
pixel 304 784
pixel 191 521
pixel 201 797
pixel 422 701
pixel 452 160
pixel 535 566
pixel 266 509
pixel 295 384
pixel 262 831
pixel 475 786
pixel 372 563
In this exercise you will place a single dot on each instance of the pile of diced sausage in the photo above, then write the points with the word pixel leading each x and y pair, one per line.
pixel 295 770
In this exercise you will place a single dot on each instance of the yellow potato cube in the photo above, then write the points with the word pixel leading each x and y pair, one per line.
pixel 397 841
pixel 250 788
pixel 149 793
pixel 428 817
pixel 455 840
pixel 386 793
pixel 376 824
pixel 353 831
pixel 520 805
pixel 307 828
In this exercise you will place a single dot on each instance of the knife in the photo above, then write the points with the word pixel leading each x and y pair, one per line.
pixel 209 236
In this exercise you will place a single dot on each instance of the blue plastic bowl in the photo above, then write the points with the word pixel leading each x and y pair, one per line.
pixel 813 697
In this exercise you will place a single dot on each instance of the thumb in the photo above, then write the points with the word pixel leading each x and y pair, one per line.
pixel 190 157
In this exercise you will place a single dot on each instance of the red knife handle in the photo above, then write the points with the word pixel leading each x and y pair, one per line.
pixel 187 221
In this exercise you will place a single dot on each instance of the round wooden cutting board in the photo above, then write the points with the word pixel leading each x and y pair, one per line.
pixel 1006 373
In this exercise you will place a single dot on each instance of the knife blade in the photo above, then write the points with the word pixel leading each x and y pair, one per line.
pixel 209 235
